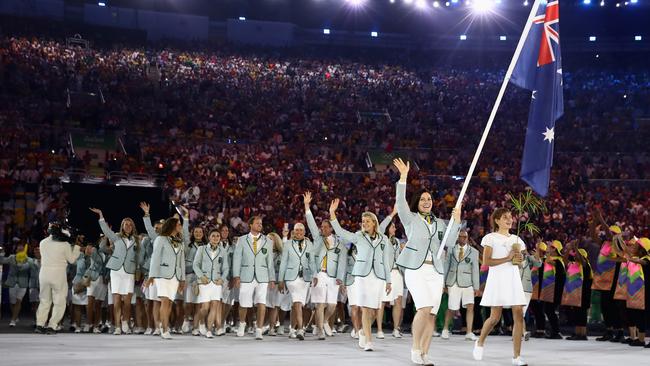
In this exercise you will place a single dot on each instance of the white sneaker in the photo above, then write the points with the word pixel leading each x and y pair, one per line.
pixel 86 328
pixel 157 332
pixel 221 331
pixel 208 334
pixel 97 330
pixel 426 361
pixel 186 326
pixel 138 330
pixel 416 357
pixel 362 340
pixel 149 331
pixel 281 330
pixel 272 332
pixel 471 337
pixel 380 335
pixel 445 334
pixel 12 323
pixel 125 327
pixel 478 352
pixel 314 330
pixel 117 331
pixel 195 332
pixel 241 330
pixel 435 334
pixel 518 362
pixel 292 333
pixel 397 334
pixel 328 330
pixel 300 335
pixel 258 333
pixel 250 330
pixel 354 334
pixel 202 329
pixel 368 347
pixel 165 335
pixel 320 333
pixel 77 330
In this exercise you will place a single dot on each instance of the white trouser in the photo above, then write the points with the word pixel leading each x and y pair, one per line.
pixel 53 293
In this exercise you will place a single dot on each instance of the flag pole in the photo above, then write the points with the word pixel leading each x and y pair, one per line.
pixel 477 154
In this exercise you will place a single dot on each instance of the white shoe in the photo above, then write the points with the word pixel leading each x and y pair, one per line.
pixel 258 333
pixel 445 334
pixel 426 361
pixel 435 334
pixel 202 329
pixel 241 330
pixel 221 331
pixel 368 347
pixel 321 334
pixel 149 331
pixel 186 326
pixel 397 334
pixel 478 352
pixel 125 327
pixel 208 334
pixel 518 362
pixel 195 332
pixel 314 330
pixel 250 330
pixel 138 330
pixel 97 330
pixel 471 337
pixel 12 323
pixel 362 340
pixel 281 330
pixel 156 332
pixel 77 330
pixel 328 330
pixel 300 335
pixel 416 357
pixel 165 335
pixel 354 334
pixel 117 331
pixel 292 333
pixel 272 332
pixel 86 328
pixel 380 335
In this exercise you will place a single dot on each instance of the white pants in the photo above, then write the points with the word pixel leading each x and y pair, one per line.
pixel 151 293
pixel 277 299
pixel 53 293
pixel 353 298
pixel 209 292
pixel 370 290
pixel 425 285
pixel 326 290
pixel 252 293
pixel 298 289
pixel 458 295
pixel 16 294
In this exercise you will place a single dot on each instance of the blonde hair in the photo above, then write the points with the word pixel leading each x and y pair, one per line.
pixel 372 217
pixel 134 232
pixel 277 242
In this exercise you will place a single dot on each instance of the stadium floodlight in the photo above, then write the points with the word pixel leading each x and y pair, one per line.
pixel 374 34
pixel 392 1
pixel 525 2
pixel 242 18
pixel 326 31
pixel 408 1
pixel 602 3
pixel 436 4
pixel 592 38
pixel 634 1
pixel 101 3
pixel 447 3
pixel 420 4
pixel 356 3
pixel 638 38
pixel 463 37
pixel 502 38
pixel 586 2
pixel 454 1
pixel 482 6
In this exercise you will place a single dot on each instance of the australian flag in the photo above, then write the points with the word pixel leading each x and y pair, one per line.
pixel 539 69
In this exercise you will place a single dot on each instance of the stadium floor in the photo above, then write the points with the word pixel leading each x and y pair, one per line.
pixel 22 348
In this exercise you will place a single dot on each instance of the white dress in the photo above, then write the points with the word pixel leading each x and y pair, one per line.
pixel 503 286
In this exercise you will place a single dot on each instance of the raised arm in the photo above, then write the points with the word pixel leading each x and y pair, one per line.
pixel 386 222
pixel 104 226
pixel 309 217
pixel 403 210
pixel 338 229
pixel 147 221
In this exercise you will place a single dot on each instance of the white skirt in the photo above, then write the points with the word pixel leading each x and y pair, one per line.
pixel 97 289
pixel 151 293
pixel 79 299
pixel 166 288
pixel 209 292
pixel 397 287
pixel 122 283
pixel 503 287
pixel 425 285
pixel 189 297
pixel 370 290
pixel 353 296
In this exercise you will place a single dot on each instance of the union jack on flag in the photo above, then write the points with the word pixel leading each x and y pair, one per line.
pixel 539 69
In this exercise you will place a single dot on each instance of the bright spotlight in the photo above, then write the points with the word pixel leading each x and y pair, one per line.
pixel 447 3
pixel 326 31
pixel 420 4
pixel 392 1
pixel 463 37
pixel 634 1
pixel 408 1
pixel 525 2
pixel 436 4
pixel 374 34
pixel 101 3
pixel 242 18
pixel 482 6
pixel 356 3
pixel 592 38
pixel 602 3
pixel 502 38
pixel 638 38
pixel 586 2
